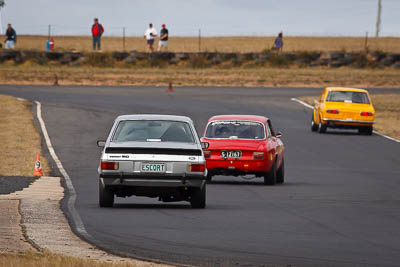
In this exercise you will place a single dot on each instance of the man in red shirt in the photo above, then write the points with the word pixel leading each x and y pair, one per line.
pixel 97 31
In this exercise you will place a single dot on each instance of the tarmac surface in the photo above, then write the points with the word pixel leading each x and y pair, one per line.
pixel 9 184
pixel 339 206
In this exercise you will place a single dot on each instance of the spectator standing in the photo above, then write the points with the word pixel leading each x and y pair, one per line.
pixel 163 43
pixel 50 44
pixel 278 44
pixel 97 32
pixel 150 34
pixel 11 37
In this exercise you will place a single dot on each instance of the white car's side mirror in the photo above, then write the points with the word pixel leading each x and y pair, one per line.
pixel 205 145
pixel 101 143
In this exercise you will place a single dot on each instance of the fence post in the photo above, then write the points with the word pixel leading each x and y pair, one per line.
pixel 366 42
pixel 199 40
pixel 123 38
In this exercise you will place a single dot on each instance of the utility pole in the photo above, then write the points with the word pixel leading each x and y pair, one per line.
pixel 378 19
pixel 49 34
pixel 2 4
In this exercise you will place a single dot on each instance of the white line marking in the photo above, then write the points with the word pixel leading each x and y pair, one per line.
pixel 388 137
pixel 301 102
pixel 72 193
pixel 375 132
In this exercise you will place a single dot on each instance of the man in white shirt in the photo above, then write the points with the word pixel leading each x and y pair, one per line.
pixel 150 34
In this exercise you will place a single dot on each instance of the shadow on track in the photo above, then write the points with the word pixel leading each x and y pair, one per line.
pixel 346 133
pixel 259 183
pixel 151 206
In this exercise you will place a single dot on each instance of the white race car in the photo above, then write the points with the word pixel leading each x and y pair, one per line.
pixel 154 156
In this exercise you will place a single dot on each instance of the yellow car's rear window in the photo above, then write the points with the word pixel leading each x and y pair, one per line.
pixel 348 97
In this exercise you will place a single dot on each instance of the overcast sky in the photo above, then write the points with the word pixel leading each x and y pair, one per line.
pixel 214 17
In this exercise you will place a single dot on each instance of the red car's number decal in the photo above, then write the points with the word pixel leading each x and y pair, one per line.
pixel 231 154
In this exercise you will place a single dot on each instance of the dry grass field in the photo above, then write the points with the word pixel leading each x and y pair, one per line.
pixel 119 73
pixel 387 107
pixel 20 140
pixel 220 44
pixel 215 76
pixel 32 259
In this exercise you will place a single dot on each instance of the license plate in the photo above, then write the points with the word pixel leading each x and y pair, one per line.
pixel 231 154
pixel 152 167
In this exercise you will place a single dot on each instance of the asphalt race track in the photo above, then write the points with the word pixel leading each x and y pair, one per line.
pixel 339 206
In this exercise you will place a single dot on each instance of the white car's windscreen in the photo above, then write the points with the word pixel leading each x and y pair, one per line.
pixel 153 131
pixel 347 97
pixel 235 130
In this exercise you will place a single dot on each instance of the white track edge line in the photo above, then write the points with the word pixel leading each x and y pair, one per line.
pixel 375 132
pixel 301 102
pixel 386 136
pixel 72 198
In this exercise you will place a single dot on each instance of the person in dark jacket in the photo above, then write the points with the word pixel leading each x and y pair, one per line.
pixel 97 31
pixel 11 37
pixel 163 43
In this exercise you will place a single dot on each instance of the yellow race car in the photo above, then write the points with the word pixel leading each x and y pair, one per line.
pixel 343 108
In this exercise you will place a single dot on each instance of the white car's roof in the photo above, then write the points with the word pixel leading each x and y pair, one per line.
pixel 154 117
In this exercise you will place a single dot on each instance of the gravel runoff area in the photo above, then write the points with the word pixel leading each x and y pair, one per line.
pixel 32 220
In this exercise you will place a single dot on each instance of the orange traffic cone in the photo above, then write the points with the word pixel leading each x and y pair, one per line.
pixel 170 90
pixel 38 167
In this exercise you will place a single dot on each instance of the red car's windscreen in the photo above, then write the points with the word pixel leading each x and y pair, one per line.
pixel 235 130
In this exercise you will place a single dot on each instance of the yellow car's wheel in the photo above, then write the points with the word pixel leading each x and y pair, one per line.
pixel 314 126
pixel 367 130
pixel 321 127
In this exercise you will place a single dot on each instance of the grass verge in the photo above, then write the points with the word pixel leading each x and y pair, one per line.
pixel 32 259
pixel 387 108
pixel 20 140
pixel 242 44
pixel 214 76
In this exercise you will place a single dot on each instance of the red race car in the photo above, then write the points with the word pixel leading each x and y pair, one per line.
pixel 244 144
